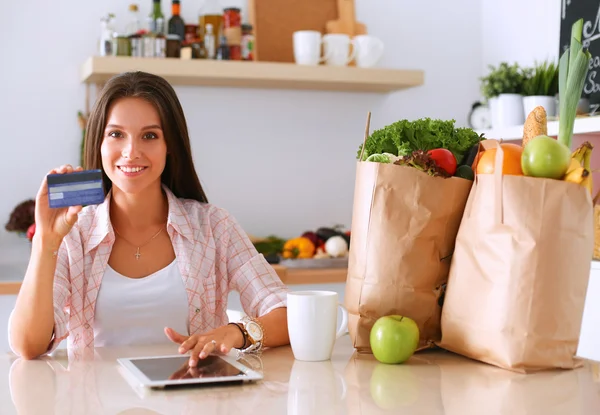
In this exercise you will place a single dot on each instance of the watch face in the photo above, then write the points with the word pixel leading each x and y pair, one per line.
pixel 254 331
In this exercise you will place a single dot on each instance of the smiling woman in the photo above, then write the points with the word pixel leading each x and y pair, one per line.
pixel 155 261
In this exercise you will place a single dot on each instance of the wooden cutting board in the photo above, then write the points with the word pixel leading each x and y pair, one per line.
pixel 346 22
pixel 275 21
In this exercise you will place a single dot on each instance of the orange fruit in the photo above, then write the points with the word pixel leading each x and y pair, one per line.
pixel 511 164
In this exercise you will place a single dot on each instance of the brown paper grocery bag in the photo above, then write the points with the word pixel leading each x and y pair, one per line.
pixel 404 223
pixel 519 272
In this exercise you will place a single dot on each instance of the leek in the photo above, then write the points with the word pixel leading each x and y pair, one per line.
pixel 573 68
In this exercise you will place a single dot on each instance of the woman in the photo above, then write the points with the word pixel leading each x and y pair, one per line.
pixel 155 254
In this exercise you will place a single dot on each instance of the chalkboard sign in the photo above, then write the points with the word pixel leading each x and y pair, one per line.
pixel 589 11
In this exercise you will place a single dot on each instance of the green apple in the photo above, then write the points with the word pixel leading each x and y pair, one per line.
pixel 545 156
pixel 394 339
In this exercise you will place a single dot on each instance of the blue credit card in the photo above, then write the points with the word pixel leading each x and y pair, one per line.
pixel 75 189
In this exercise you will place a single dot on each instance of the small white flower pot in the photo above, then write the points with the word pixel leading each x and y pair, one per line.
pixel 507 110
pixel 530 102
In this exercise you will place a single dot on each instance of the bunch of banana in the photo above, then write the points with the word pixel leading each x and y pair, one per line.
pixel 580 169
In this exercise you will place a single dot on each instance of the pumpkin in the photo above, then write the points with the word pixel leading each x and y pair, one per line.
pixel 511 165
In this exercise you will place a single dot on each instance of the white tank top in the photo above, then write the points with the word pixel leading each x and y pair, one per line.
pixel 136 310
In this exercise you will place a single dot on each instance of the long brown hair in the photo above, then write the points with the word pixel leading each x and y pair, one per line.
pixel 179 174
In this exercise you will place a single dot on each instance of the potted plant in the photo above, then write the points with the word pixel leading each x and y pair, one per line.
pixel 540 88
pixel 503 89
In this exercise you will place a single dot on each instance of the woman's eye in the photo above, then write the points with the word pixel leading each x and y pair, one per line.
pixel 150 136
pixel 114 134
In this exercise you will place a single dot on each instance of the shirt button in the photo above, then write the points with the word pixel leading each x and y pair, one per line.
pixel 197 310
pixel 86 325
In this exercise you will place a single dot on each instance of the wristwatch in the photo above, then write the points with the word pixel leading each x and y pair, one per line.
pixel 253 333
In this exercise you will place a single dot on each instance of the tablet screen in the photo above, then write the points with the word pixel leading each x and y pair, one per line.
pixel 172 368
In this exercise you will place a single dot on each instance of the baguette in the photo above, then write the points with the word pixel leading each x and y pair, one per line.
pixel 536 124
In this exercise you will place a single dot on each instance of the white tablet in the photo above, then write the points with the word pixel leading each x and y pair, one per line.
pixel 162 371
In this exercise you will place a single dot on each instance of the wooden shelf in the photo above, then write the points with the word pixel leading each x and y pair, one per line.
pixel 296 276
pixel 583 125
pixel 240 74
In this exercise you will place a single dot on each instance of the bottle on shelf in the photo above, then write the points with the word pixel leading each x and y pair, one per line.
pixel 133 22
pixel 210 42
pixel 211 13
pixel 107 34
pixel 176 23
pixel 247 42
pixel 232 30
pixel 157 18
pixel 223 50
pixel 149 40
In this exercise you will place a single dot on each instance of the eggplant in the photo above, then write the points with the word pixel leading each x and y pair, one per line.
pixel 325 233
pixel 469 156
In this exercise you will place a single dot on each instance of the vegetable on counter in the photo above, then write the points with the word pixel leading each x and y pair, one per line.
pixel 336 246
pixel 403 137
pixel 298 248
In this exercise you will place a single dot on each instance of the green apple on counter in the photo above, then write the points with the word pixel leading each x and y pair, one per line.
pixel 394 339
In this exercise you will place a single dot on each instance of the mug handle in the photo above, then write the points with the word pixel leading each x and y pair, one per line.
pixel 344 327
pixel 327 55
pixel 353 53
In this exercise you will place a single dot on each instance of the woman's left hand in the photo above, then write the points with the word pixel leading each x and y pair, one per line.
pixel 220 340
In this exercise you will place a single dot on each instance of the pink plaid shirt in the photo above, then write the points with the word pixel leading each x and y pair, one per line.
pixel 213 253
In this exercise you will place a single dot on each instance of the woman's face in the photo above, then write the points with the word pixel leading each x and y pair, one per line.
pixel 133 148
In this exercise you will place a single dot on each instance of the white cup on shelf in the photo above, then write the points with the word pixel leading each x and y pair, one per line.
pixel 340 49
pixel 369 50
pixel 307 47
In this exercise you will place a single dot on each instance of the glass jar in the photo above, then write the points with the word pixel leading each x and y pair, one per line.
pixel 247 43
pixel 232 26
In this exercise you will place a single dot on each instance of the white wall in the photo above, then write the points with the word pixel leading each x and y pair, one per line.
pixel 520 31
pixel 281 162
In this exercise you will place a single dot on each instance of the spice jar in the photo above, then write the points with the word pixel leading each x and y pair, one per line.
pixel 247 43
pixel 232 29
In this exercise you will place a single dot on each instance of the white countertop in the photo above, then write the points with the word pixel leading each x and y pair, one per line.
pixel 429 383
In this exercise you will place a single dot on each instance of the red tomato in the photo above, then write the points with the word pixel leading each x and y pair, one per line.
pixel 444 159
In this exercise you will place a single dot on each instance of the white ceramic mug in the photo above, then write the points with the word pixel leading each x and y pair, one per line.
pixel 339 49
pixel 369 50
pixel 307 47
pixel 312 321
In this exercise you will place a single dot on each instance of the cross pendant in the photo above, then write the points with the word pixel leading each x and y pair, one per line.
pixel 137 254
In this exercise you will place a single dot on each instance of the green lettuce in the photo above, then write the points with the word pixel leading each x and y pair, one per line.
pixel 403 137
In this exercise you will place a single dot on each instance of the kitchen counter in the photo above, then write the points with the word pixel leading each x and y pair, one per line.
pixel 14 257
pixel 433 382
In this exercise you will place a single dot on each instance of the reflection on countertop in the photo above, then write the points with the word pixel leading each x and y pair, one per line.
pixel 432 382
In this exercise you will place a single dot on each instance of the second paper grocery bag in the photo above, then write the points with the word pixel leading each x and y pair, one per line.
pixel 519 272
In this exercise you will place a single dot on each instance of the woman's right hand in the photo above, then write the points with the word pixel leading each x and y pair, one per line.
pixel 53 224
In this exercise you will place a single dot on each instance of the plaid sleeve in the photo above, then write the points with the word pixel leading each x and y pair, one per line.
pixel 61 296
pixel 248 272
